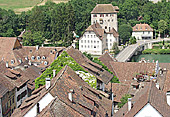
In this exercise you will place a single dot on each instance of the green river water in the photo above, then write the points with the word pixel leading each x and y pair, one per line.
pixel 162 58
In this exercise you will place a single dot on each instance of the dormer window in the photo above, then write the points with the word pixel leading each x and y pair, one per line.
pixel 30 50
pixel 45 63
pixel 43 57
pixel 12 61
pixel 33 57
pixel 146 28
pixel 26 58
pixel 38 57
pixel 95 15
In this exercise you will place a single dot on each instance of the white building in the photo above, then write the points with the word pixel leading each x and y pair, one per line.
pixel 102 32
pixel 142 32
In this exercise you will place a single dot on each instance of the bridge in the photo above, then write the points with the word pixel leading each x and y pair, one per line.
pixel 126 54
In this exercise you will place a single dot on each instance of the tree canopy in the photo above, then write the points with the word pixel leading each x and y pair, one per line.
pixel 125 31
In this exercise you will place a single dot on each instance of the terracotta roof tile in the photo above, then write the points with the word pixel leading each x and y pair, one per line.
pixel 142 27
pixel 105 8
pixel 91 67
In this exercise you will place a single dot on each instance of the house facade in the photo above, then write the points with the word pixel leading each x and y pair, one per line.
pixel 142 32
pixel 102 32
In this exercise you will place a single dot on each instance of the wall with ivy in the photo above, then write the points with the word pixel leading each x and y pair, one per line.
pixel 58 64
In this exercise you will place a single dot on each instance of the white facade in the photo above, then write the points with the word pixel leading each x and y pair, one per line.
pixel 110 40
pixel 42 104
pixel 20 95
pixel 148 111
pixel 168 98
pixel 142 35
pixel 90 43
pixel 0 108
pixel 107 21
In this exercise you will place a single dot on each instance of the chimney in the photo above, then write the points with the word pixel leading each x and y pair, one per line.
pixel 157 85
pixel 7 65
pixel 168 98
pixel 47 83
pixel 37 47
pixel 129 103
pixel 54 73
pixel 70 95
pixel 112 96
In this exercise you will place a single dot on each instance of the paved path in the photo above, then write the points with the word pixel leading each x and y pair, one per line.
pixel 128 52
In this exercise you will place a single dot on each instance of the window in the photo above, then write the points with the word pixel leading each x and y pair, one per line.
pixel 85 36
pixel 84 41
pixel 43 57
pixel 88 41
pixel 112 20
pixel 12 61
pixel 81 46
pixel 97 41
pixel 94 46
pixel 143 32
pixel 149 32
pixel 107 15
pixel 97 46
pixel 91 36
pixel 105 27
pixel 95 15
pixel 45 63
pixel 85 46
pixel 94 41
pixel 110 40
pixel 106 40
pixel 110 44
pixel 106 44
pixel 91 46
pixel 88 46
pixel 81 41
pixel 94 36
pixel 91 41
pixel 108 20
pixel 32 57
pixel 88 36
pixel 38 57
pixel 89 31
pixel 101 15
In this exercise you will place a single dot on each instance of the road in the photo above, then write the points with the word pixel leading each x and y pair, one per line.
pixel 127 52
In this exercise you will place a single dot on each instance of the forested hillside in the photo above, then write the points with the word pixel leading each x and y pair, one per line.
pixel 56 22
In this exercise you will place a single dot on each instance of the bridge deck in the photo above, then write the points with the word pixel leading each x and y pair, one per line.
pixel 128 52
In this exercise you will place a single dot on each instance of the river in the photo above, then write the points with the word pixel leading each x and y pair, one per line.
pixel 162 58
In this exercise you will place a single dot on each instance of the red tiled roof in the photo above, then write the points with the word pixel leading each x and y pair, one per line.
pixel 105 8
pixel 142 27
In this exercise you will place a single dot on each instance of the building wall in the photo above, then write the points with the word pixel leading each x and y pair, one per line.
pixel 105 20
pixel 0 108
pixel 139 34
pixel 42 104
pixel 148 111
pixel 110 40
pixel 21 94
pixel 90 43
pixel 8 103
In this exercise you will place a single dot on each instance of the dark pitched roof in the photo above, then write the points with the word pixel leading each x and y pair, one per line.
pixel 125 71
pixel 106 59
pixel 90 66
pixel 114 32
pixel 105 8
pixel 150 94
pixel 97 30
pixel 84 97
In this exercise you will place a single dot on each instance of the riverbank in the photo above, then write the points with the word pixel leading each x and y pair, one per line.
pixel 156 51
pixel 162 58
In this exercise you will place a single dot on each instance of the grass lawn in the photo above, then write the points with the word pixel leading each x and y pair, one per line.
pixel 14 4
pixel 24 5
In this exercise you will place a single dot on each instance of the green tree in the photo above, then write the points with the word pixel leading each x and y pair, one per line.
pixel 162 26
pixel 32 39
pixel 124 100
pixel 132 40
pixel 125 32
pixel 115 48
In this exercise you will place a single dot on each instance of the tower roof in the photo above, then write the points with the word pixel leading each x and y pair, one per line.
pixel 105 8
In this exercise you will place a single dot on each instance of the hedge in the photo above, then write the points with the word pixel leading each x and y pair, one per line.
pixel 156 51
